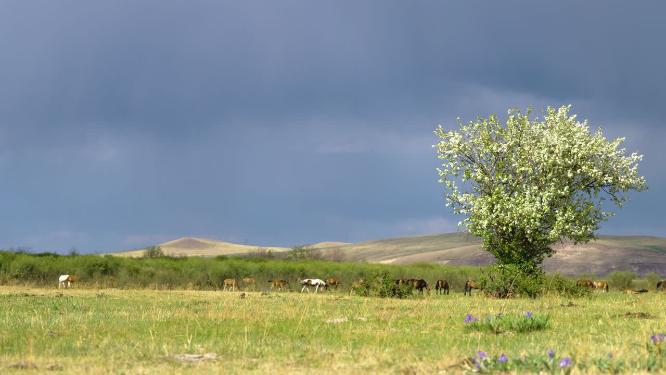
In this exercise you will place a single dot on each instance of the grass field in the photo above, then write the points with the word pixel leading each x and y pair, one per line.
pixel 143 331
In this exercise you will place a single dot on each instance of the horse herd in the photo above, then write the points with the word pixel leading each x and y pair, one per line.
pixel 420 285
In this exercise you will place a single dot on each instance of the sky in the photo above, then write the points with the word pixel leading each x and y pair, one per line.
pixel 125 124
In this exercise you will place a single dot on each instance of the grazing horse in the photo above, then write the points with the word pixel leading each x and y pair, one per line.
pixel 278 284
pixel 661 285
pixel 600 284
pixel 66 281
pixel 419 284
pixel 469 285
pixel 229 283
pixel 249 281
pixel 441 287
pixel 585 283
pixel 316 283
pixel 333 281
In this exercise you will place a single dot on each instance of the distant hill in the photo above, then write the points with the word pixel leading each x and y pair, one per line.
pixel 191 246
pixel 640 254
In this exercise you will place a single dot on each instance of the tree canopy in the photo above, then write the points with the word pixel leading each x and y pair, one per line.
pixel 527 183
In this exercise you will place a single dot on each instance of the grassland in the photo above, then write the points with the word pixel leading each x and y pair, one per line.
pixel 143 331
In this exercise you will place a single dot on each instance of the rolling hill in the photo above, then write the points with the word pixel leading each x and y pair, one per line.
pixel 640 254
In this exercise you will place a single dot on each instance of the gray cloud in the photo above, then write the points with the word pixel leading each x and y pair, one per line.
pixel 261 121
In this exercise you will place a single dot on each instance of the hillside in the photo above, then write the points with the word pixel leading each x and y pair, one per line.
pixel 640 254
pixel 190 246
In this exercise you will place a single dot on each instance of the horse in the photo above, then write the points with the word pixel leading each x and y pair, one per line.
pixel 249 281
pixel 469 285
pixel 441 287
pixel 333 281
pixel 661 285
pixel 66 281
pixel 419 284
pixel 600 284
pixel 230 283
pixel 278 284
pixel 317 283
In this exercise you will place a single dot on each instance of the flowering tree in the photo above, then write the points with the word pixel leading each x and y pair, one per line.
pixel 526 184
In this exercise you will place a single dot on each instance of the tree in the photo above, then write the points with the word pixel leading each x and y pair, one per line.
pixel 153 252
pixel 526 184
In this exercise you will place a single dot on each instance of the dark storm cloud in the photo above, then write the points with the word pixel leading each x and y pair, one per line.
pixel 290 122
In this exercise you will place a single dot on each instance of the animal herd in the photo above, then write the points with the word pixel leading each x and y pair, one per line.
pixel 420 285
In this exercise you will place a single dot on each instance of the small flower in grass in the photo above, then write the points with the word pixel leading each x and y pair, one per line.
pixel 565 362
pixel 503 358
pixel 528 314
pixel 470 319
pixel 551 353
pixel 656 339
pixel 482 355
pixel 610 355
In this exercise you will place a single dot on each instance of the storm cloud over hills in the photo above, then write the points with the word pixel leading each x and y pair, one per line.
pixel 125 124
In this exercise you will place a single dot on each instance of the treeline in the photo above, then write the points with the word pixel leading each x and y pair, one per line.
pixel 163 272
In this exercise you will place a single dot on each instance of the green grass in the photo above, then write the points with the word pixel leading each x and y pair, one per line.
pixel 141 330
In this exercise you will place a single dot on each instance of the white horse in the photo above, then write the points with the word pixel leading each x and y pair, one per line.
pixel 317 283
pixel 65 281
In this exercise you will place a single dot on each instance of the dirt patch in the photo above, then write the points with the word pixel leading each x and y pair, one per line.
pixel 638 315
pixel 195 357
pixel 23 365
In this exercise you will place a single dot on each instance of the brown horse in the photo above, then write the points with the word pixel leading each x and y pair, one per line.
pixel 442 287
pixel 600 284
pixel 661 285
pixel 469 285
pixel 420 285
pixel 278 284
pixel 229 283
pixel 333 281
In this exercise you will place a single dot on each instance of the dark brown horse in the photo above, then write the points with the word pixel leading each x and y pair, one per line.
pixel 441 287
pixel 469 285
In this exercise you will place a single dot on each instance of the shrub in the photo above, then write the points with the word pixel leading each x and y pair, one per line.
pixel 564 286
pixel 507 280
pixel 153 252
pixel 621 279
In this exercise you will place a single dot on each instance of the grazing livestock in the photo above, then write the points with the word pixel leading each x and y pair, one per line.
pixel 601 284
pixel 585 283
pixel 661 285
pixel 66 281
pixel 400 282
pixel 419 284
pixel 278 284
pixel 316 283
pixel 229 283
pixel 441 287
pixel 333 281
pixel 249 281
pixel 469 285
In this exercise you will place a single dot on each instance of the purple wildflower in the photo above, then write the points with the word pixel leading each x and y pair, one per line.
pixel 470 319
pixel 565 362
pixel 482 355
pixel 656 339
pixel 528 314
pixel 551 353
pixel 503 358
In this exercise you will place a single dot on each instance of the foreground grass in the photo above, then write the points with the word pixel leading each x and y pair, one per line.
pixel 140 331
